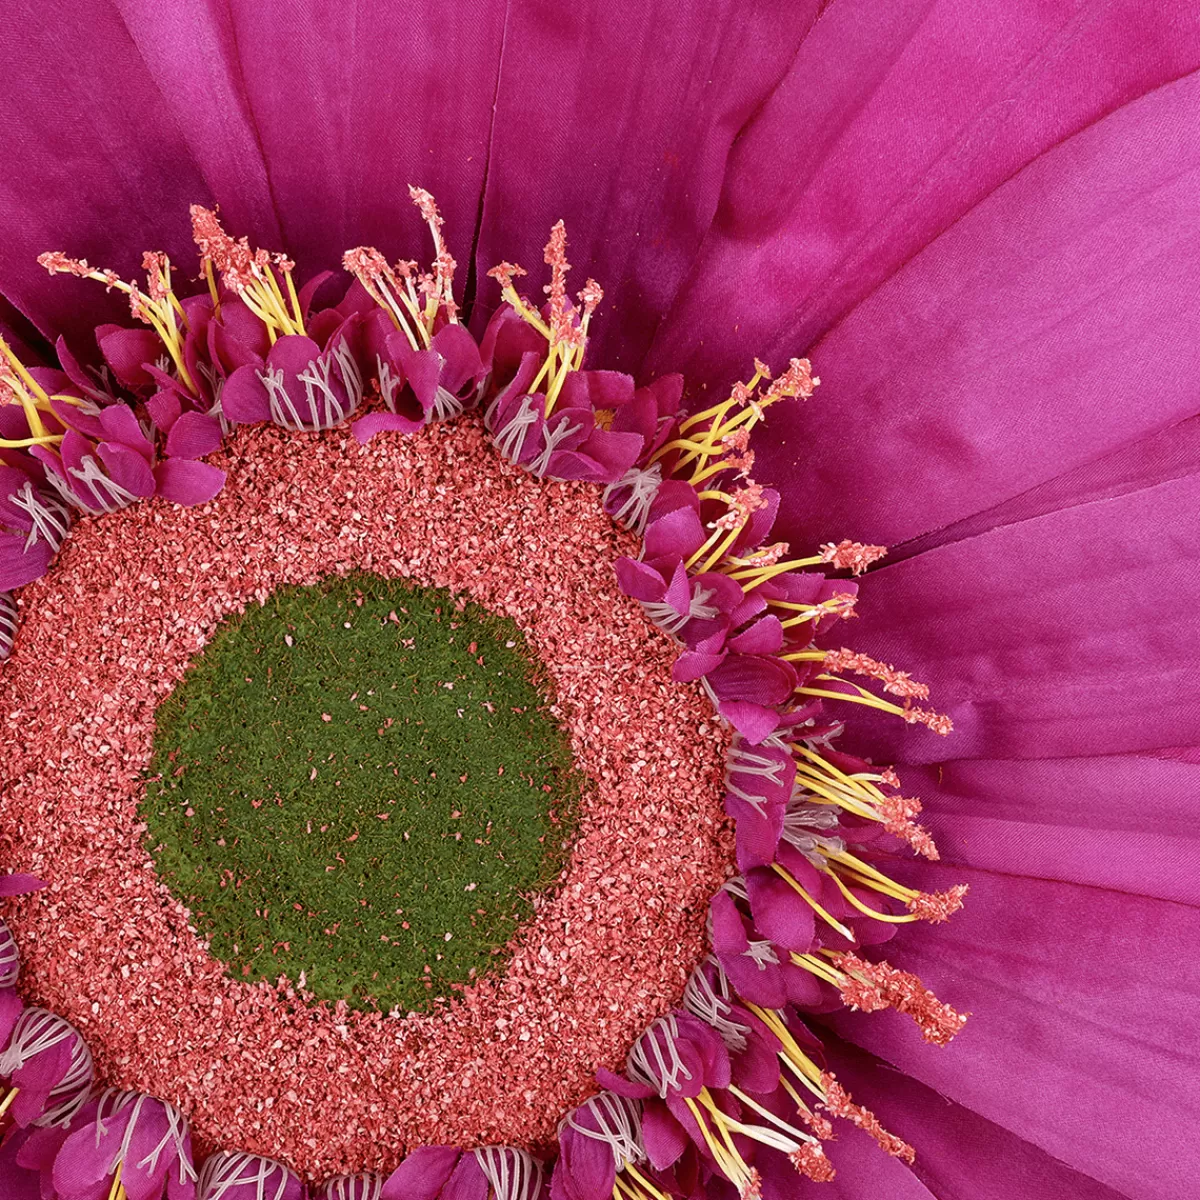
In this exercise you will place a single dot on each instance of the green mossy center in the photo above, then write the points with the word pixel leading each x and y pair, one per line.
pixel 358 785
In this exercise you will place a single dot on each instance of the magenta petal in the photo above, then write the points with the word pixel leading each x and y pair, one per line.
pixel 622 1086
pixel 17 1182
pixel 164 408
pixel 1091 657
pixel 422 1173
pixel 82 1163
pixel 467 1181
pixel 184 481
pixel 193 435
pixel 19 566
pixel 638 580
pixel 639 201
pixel 365 428
pixel 127 468
pixel 1037 153
pixel 665 1139
pixel 15 883
pixel 961 1153
pixel 755 678
pixel 692 665
pixel 10 1009
pixel 752 721
pixel 765 636
pixel 780 912
pixel 1034 962
pixel 679 532
pixel 462 362
pixel 244 398
pixel 585 1169
pixel 126 350
pixel 1092 821
pixel 120 425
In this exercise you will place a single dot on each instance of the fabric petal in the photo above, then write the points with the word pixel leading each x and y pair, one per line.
pixel 662 89
pixel 1069 634
pixel 1022 221
pixel 422 1173
pixel 1065 983
pixel 193 435
pixel 184 481
pixel 959 1153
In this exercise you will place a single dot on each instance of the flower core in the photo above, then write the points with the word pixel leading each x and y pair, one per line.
pixel 357 785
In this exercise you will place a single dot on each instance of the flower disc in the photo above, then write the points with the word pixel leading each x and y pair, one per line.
pixel 262 1065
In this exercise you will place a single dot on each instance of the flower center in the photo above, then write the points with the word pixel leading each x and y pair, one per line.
pixel 357 786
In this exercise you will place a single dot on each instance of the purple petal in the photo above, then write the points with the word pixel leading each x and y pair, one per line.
pixel 244 398
pixel 780 912
pixel 466 1182
pixel 184 481
pixel 664 1138
pixel 15 883
pixel 16 1181
pixel 126 350
pixel 874 78
pixel 639 581
pixel 753 721
pixel 422 1173
pixel 1060 667
pixel 959 1153
pixel 164 408
pixel 193 435
pixel 127 468
pixel 638 203
pixel 365 428
pixel 1033 961
pixel 953 436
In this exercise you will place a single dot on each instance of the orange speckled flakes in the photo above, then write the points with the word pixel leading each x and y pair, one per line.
pixel 110 631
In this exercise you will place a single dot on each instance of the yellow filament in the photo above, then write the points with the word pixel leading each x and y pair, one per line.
pixel 800 1064
pixel 787 878
pixel 820 969
pixel 727 1157
pixel 556 384
pixel 46 439
pixel 801 1107
pixel 390 303
pixel 12 1095
pixel 863 697
pixel 212 287
pixel 866 909
pixel 751 577
pixel 117 1192
pixel 295 299
pixel 28 399
pixel 863 868
pixel 647 1184
pixel 832 794
pixel 526 314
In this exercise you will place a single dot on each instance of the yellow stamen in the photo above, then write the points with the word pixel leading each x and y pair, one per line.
pixel 866 909
pixel 786 876
pixel 803 1067
pixel 212 287
pixel 818 968
pixel 643 1182
pixel 117 1192
pixel 12 1095
pixel 863 697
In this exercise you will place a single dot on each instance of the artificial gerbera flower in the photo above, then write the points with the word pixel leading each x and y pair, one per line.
pixel 979 227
